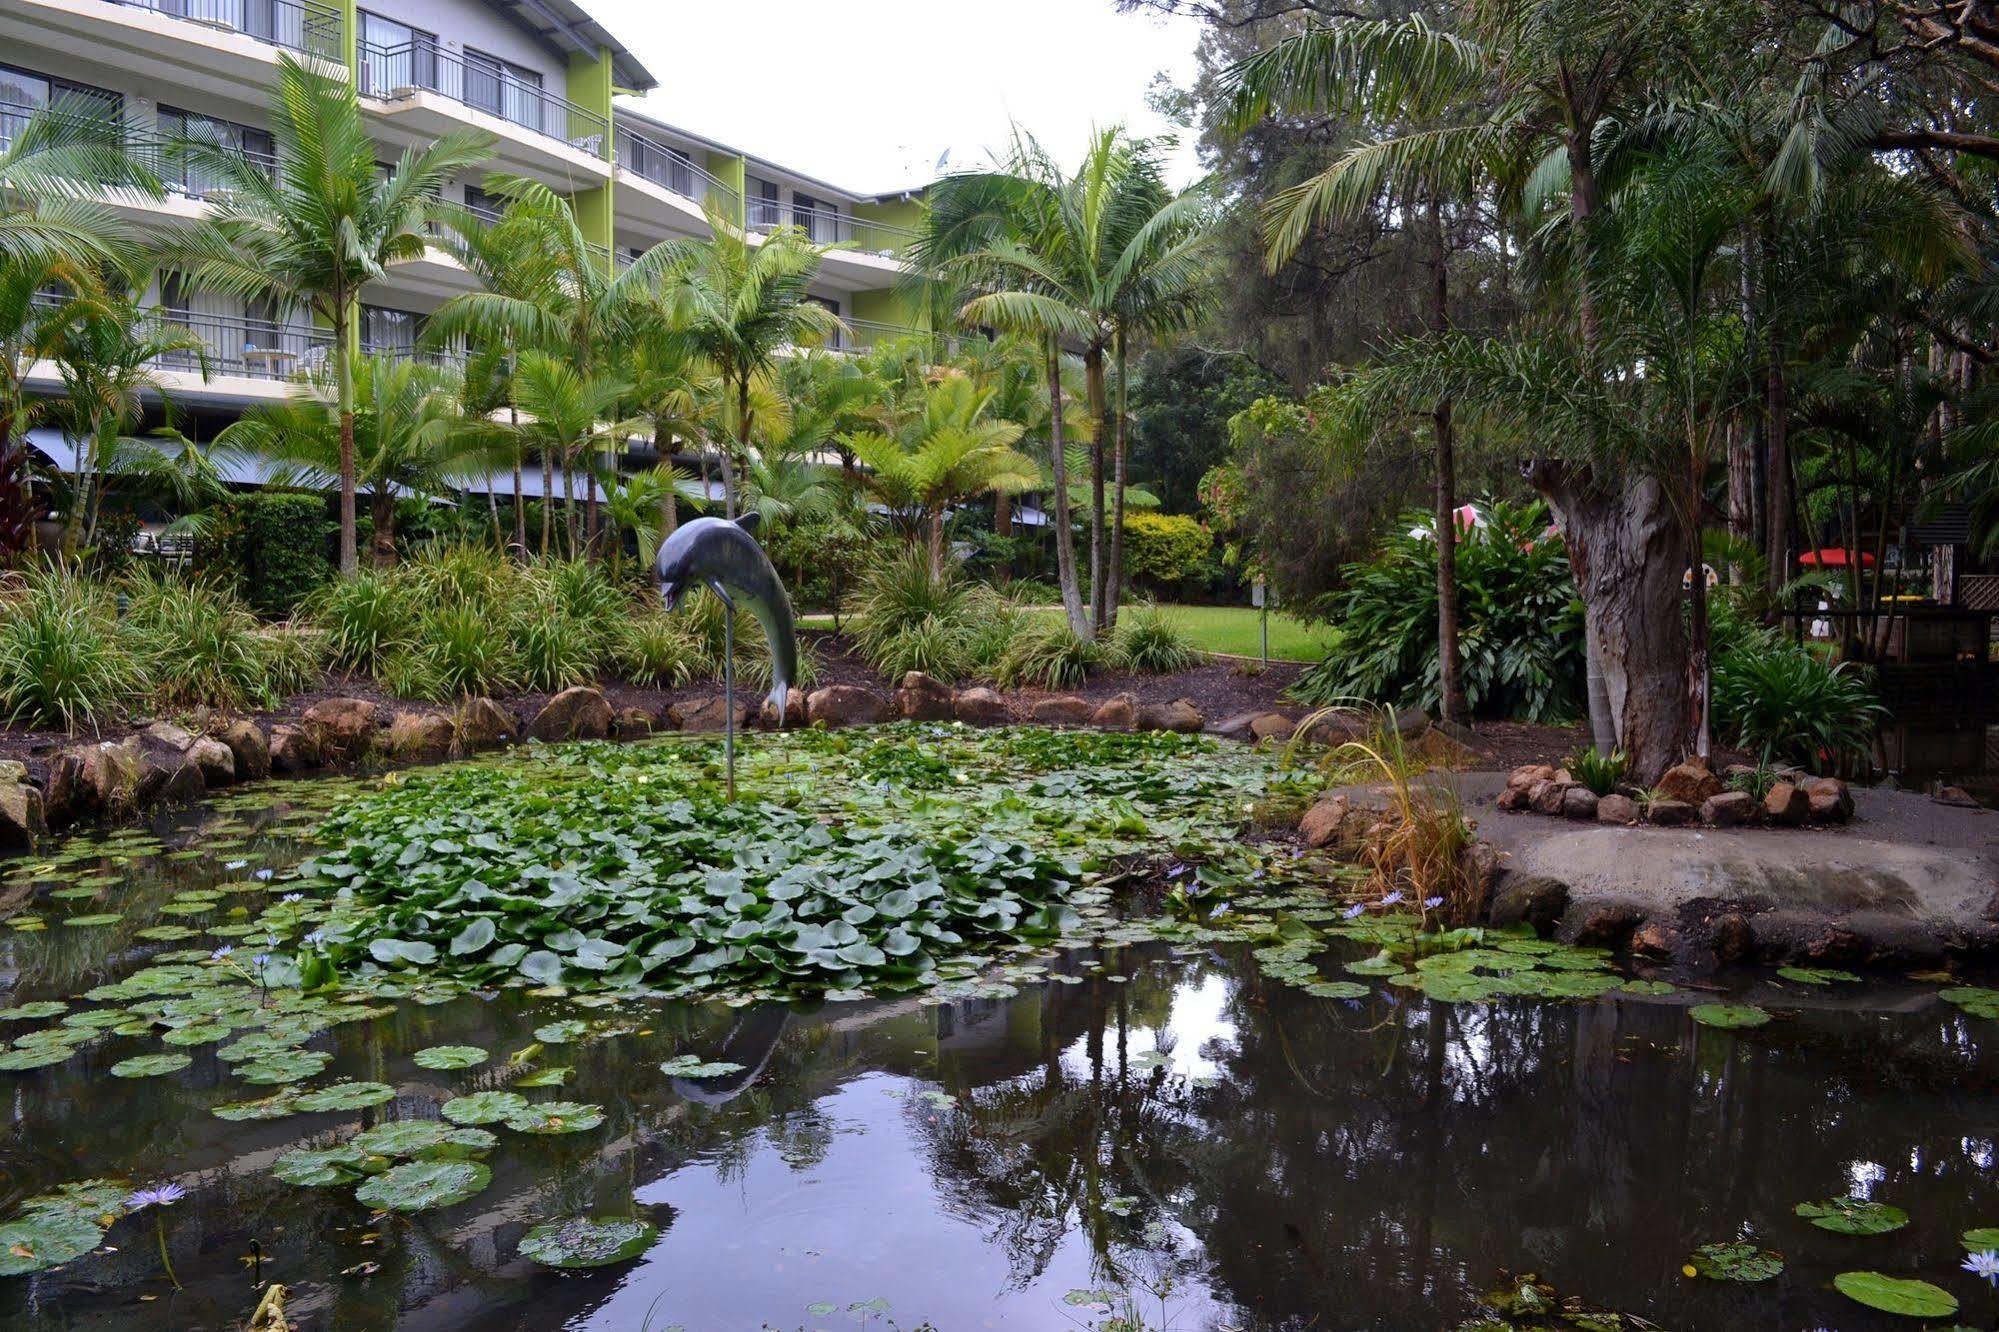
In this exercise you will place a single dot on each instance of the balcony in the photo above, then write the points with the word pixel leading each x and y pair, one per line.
pixel 304 26
pixel 185 47
pixel 432 91
pixel 860 246
pixel 673 171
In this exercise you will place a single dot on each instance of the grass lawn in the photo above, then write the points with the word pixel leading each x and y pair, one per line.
pixel 1231 629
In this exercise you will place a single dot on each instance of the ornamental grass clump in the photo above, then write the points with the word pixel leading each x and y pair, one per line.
pixel 62 660
pixel 908 617
pixel 1047 654
pixel 1147 641
pixel 656 650
pixel 196 643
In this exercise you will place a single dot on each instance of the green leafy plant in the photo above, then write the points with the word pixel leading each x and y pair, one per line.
pixel 279 547
pixel 1599 772
pixel 654 649
pixel 62 660
pixel 1046 654
pixel 1148 641
pixel 366 618
pixel 906 612
pixel 1786 702
pixel 195 643
pixel 1756 782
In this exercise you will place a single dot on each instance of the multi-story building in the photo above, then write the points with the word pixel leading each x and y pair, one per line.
pixel 541 77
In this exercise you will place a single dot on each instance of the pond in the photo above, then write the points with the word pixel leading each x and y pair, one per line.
pixel 1177 1134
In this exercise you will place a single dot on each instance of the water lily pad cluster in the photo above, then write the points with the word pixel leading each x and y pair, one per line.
pixel 60 1226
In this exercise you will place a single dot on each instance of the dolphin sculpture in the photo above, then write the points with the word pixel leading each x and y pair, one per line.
pixel 725 556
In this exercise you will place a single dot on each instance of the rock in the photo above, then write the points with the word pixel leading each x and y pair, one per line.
pixel 1836 943
pixel 636 723
pixel 1655 938
pixel 249 748
pixel 1272 726
pixel 708 714
pixel 1579 802
pixel 343 728
pixel 1341 726
pixel 1729 809
pixel 1068 710
pixel 1548 797
pixel 794 717
pixel 922 698
pixel 293 749
pixel 1787 805
pixel 1565 777
pixel 482 724
pixel 216 761
pixel 1672 814
pixel 1514 799
pixel 1605 927
pixel 1116 714
pixel 12 771
pixel 1180 716
pixel 60 794
pixel 170 735
pixel 845 705
pixel 1480 863
pixel 980 706
pixel 1523 777
pixel 577 713
pixel 174 779
pixel 1689 784
pixel 1615 808
pixel 1955 796
pixel 1735 770
pixel 1831 802
pixel 421 735
pixel 22 826
pixel 1534 898
pixel 1732 938
pixel 109 775
pixel 1321 824
pixel 1455 731
pixel 1411 722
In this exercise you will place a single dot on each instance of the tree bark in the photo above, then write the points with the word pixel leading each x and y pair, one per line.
pixel 345 333
pixel 1627 551
pixel 1114 577
pixel 382 508
pixel 1777 463
pixel 1583 196
pixel 1065 537
pixel 1093 383
pixel 935 523
pixel 1450 668
pixel 547 501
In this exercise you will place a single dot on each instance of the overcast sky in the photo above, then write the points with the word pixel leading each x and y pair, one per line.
pixel 868 94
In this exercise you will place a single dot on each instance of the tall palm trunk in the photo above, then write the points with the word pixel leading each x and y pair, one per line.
pixel 346 345
pixel 1450 667
pixel 382 507
pixel 730 500
pixel 520 507
pixel 1093 384
pixel 493 514
pixel 935 523
pixel 590 503
pixel 1114 576
pixel 568 507
pixel 1603 721
pixel 547 500
pixel 1065 537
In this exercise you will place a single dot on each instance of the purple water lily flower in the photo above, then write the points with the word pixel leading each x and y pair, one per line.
pixel 262 874
pixel 1354 910
pixel 292 897
pixel 1984 1264
pixel 220 953
pixel 160 1195
pixel 1392 898
pixel 1432 903
pixel 261 959
pixel 316 937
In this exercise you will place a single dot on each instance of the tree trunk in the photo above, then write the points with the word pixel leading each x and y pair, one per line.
pixel 16 517
pixel 1093 383
pixel 382 508
pixel 1627 550
pixel 589 504
pixel 1582 210
pixel 493 514
pixel 1777 465
pixel 568 507
pixel 1003 526
pixel 1450 667
pixel 730 500
pixel 1065 537
pixel 1114 576
pixel 343 356
pixel 520 507
pixel 935 522
pixel 547 501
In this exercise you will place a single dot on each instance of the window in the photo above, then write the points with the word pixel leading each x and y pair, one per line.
pixel 763 203
pixel 391 331
pixel 23 92
pixel 487 206
pixel 197 179
pixel 395 55
pixel 509 91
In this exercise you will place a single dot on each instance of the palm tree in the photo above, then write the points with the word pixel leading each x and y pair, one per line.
pixel 946 451
pixel 401 434
pixel 321 226
pixel 738 305
pixel 570 415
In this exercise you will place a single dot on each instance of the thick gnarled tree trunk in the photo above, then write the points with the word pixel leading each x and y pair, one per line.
pixel 1628 554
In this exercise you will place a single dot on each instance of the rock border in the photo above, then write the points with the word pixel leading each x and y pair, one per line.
pixel 1688 795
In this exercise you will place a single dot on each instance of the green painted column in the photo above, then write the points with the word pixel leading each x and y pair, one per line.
pixel 350 38
pixel 590 91
pixel 733 172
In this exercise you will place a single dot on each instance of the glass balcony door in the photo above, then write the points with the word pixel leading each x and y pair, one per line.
pixel 506 90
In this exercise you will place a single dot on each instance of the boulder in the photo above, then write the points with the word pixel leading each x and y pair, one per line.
pixel 980 707
pixel 1548 797
pixel 845 705
pixel 216 761
pixel 1955 796
pixel 1514 800
pixel 1655 938
pixel 172 779
pixel 22 826
pixel 1787 805
pixel 60 794
pixel 577 713
pixel 1732 937
pixel 1605 927
pixel 1180 715
pixel 1480 863
pixel 427 736
pixel 1068 710
pixel 1523 777
pixel 1579 802
pixel 794 717
pixel 636 723
pixel 109 774
pixel 1534 898
pixel 1341 726
pixel 1321 824
pixel 1272 726
pixel 1620 809
pixel 922 697
pixel 1689 784
pixel 1730 809
pixel 170 735
pixel 1410 723
pixel 1672 814
pixel 707 714
pixel 293 749
pixel 1831 802
pixel 1116 714
pixel 249 748
pixel 482 724
pixel 343 728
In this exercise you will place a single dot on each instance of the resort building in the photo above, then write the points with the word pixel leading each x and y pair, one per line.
pixel 542 77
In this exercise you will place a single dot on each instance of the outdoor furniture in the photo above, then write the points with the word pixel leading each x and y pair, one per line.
pixel 270 362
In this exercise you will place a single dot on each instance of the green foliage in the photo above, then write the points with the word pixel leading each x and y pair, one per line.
pixel 554 648
pixel 1735 1261
pixel 1520 625
pixel 1896 1295
pixel 196 644
pixel 1755 783
pixel 586 1243
pixel 62 661
pixel 910 618
pixel 1164 549
pixel 366 618
pixel 657 650
pixel 1149 642
pixel 1045 653
pixel 1181 403
pixel 1599 772
pixel 461 654
pixel 280 548
pixel 1853 1216
pixel 1786 702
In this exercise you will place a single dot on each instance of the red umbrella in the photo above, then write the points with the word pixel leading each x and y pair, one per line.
pixel 1830 558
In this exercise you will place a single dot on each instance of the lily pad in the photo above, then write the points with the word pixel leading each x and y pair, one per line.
pixel 20 1061
pixel 692 1066
pixel 268 1107
pixel 420 1186
pixel 345 1096
pixel 1896 1295
pixel 489 1107
pixel 547 1077
pixel 421 1137
pixel 1816 975
pixel 1853 1216
pixel 556 1033
pixel 289 1066
pixel 34 1012
pixel 1728 1015
pixel 450 1057
pixel 44 1239
pixel 94 920
pixel 150 1066
pixel 1735 1261
pixel 1981 1239
pixel 318 1168
pixel 582 1242
pixel 556 1117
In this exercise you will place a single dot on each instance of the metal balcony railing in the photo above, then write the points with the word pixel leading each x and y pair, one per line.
pixel 826 226
pixel 397 71
pixel 167 158
pixel 651 160
pixel 306 26
pixel 861 334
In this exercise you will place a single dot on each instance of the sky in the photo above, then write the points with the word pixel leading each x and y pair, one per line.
pixel 869 94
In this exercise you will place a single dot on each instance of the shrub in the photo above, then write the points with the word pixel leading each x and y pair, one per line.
pixel 1599 772
pixel 195 643
pixel 294 659
pixel 1048 654
pixel 280 549
pixel 552 648
pixel 1147 641
pixel 62 662
pixel 931 645
pixel 460 652
pixel 1520 625
pixel 1164 548
pixel 366 618
pixel 654 649
pixel 905 610
pixel 1755 782
pixel 1786 702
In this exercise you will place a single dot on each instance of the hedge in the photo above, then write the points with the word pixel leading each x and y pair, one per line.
pixel 1164 548
pixel 281 548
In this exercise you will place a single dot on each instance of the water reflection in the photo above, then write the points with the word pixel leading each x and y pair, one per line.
pixel 1232 1152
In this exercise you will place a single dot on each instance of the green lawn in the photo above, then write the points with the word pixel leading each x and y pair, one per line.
pixel 1231 629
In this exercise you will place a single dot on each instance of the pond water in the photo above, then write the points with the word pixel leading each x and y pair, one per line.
pixel 1167 1129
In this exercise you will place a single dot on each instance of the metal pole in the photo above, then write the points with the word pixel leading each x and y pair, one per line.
pixel 1266 633
pixel 728 687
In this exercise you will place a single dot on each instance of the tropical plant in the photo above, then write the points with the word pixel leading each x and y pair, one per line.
pixel 910 616
pixel 1785 702
pixel 656 650
pixel 195 643
pixel 1600 773
pixel 569 415
pixel 366 618
pixel 1148 641
pixel 320 226
pixel 1045 653
pixel 62 661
